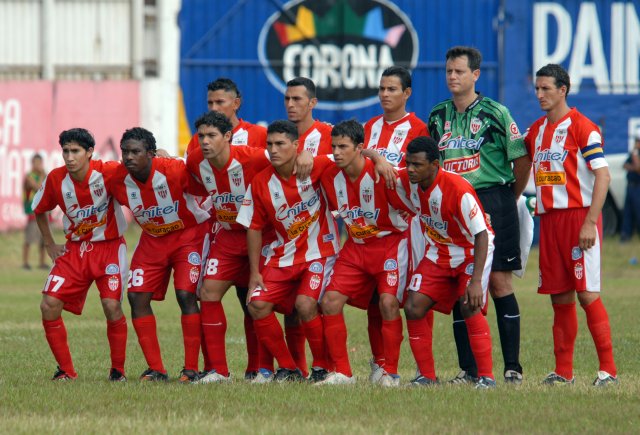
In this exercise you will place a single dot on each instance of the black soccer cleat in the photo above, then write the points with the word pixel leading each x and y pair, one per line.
pixel 116 375
pixel 153 376
pixel 61 375
pixel 250 375
pixel 288 375
pixel 188 376
pixel 423 381
pixel 318 374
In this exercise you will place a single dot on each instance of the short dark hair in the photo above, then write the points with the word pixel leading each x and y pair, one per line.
pixel 225 84
pixel 307 83
pixel 558 73
pixel 80 136
pixel 401 72
pixel 142 135
pixel 474 57
pixel 351 129
pixel 424 144
pixel 36 156
pixel 215 119
pixel 284 126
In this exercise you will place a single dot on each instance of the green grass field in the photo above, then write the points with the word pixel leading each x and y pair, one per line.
pixel 30 403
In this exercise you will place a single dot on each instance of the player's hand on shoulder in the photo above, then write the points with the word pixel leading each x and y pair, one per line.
pixel 388 172
pixel 303 165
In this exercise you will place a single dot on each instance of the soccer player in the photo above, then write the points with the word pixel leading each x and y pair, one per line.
pixel 299 261
pixel 95 250
pixel 225 172
pixel 389 134
pixel 457 262
pixel 376 255
pixel 479 140
pixel 572 178
pixel 299 101
pixel 30 185
pixel 156 190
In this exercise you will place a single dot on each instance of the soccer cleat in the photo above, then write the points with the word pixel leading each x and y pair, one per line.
pixel 213 377
pixel 336 378
pixel 153 376
pixel 288 375
pixel 263 376
pixel 390 381
pixel 513 377
pixel 116 375
pixel 423 381
pixel 376 372
pixel 318 374
pixel 485 383
pixel 188 376
pixel 604 379
pixel 250 375
pixel 555 379
pixel 463 378
pixel 61 375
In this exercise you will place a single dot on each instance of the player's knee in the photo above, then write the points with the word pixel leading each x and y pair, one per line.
pixel 500 284
pixel 259 309
pixel 307 308
pixel 50 309
pixel 188 302
pixel 389 307
pixel 467 312
pixel 112 309
pixel 332 303
pixel 212 291
pixel 411 310
pixel 586 298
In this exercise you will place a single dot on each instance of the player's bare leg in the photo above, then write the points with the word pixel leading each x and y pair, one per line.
pixel 144 322
pixel 392 337
pixel 117 336
pixel 307 308
pixel 416 310
pixel 56 334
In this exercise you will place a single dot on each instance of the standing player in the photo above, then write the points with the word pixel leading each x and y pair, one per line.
pixel 32 182
pixel 95 249
pixel 457 260
pixel 479 140
pixel 389 134
pixel 174 230
pixel 299 261
pixel 376 255
pixel 572 178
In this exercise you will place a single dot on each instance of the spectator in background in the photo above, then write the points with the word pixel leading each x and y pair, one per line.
pixel 32 182
pixel 631 216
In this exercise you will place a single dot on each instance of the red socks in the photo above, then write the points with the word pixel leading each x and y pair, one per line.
pixel 374 328
pixel 392 338
pixel 598 322
pixel 214 328
pixel 335 333
pixel 148 338
pixel 421 341
pixel 117 336
pixel 314 332
pixel 295 342
pixel 56 335
pixel 565 330
pixel 480 341
pixel 270 334
pixel 252 345
pixel 191 338
pixel 265 359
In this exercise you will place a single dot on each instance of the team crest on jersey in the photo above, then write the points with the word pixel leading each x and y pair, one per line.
pixel 194 258
pixel 162 190
pixel 315 282
pixel 469 269
pixel 447 125
pixel 577 270
pixel 576 253
pixel 398 137
pixel 390 264
pixel 475 125
pixel 392 278
pixel 305 185
pixel 194 274
pixel 98 189
pixel 112 269
pixel 560 135
pixel 236 178
pixel 367 194
pixel 435 206
pixel 316 267
pixel 114 283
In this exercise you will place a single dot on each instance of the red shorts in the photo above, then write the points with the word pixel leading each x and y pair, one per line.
pixel 154 258
pixel 228 257
pixel 361 268
pixel 83 263
pixel 284 284
pixel 445 286
pixel 563 265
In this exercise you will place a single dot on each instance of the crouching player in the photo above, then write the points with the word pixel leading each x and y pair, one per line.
pixel 95 249
pixel 457 261
pixel 174 233
pixel 298 262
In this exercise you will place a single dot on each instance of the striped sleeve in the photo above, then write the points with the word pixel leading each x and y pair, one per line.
pixel 593 153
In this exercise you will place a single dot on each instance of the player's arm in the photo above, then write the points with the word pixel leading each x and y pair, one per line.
pixel 521 172
pixel 303 165
pixel 382 167
pixel 473 293
pixel 54 250
pixel 588 232
pixel 254 246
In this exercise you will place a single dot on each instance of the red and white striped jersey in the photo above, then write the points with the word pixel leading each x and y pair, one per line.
pixel 450 215
pixel 90 212
pixel 362 204
pixel 317 139
pixel 564 156
pixel 227 186
pixel 391 138
pixel 297 210
pixel 244 133
pixel 163 204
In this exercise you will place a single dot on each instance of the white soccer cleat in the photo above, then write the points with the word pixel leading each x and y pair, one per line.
pixel 336 378
pixel 213 377
pixel 376 372
pixel 264 376
pixel 390 381
pixel 604 379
